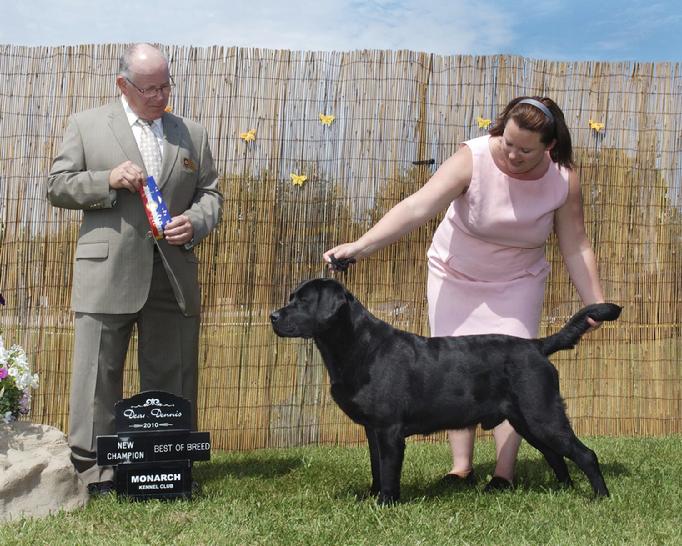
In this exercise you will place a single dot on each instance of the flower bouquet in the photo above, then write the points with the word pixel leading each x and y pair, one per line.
pixel 16 382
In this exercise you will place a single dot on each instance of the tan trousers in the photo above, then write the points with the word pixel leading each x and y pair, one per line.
pixel 168 344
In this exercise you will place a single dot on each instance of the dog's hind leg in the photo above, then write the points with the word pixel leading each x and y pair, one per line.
pixel 374 459
pixel 542 409
pixel 554 460
pixel 587 461
pixel 554 431
pixel 391 443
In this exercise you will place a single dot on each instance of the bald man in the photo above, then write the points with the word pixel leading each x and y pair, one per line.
pixel 122 275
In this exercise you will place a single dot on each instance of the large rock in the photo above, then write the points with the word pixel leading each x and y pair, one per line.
pixel 36 474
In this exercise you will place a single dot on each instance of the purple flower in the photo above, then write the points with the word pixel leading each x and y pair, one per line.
pixel 3 373
pixel 25 403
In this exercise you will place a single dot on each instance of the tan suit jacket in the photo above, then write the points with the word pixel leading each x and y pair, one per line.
pixel 114 255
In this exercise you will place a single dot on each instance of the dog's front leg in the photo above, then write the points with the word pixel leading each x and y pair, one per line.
pixel 374 459
pixel 391 441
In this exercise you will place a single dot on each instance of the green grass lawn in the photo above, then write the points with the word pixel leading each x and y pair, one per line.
pixel 315 495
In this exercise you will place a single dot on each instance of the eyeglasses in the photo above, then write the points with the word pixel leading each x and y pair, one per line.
pixel 152 91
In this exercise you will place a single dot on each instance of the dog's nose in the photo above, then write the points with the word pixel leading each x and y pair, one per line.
pixel 274 316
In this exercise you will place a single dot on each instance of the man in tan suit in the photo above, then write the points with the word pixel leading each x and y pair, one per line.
pixel 122 275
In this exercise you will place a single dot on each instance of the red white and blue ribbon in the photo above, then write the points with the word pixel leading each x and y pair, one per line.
pixel 155 207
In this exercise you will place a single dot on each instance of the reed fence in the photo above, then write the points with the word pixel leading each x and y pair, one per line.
pixel 391 109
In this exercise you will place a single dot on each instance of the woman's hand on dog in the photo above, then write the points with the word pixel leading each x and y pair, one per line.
pixel 594 325
pixel 342 256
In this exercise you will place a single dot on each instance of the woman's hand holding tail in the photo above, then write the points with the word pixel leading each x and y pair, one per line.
pixel 594 324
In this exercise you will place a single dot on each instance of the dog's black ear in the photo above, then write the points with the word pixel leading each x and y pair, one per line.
pixel 333 300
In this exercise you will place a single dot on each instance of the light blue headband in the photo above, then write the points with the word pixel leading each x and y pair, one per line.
pixel 539 106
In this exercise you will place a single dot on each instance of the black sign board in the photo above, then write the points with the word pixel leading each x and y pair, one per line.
pixel 153 449
pixel 153 410
pixel 145 447
pixel 160 480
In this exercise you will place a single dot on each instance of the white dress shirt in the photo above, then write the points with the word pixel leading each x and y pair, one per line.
pixel 156 126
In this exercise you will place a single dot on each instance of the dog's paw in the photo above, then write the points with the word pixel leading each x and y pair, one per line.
pixel 601 494
pixel 566 484
pixel 366 495
pixel 384 499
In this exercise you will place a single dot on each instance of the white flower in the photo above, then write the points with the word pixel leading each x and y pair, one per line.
pixel 16 376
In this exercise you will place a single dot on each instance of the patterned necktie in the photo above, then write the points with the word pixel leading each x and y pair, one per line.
pixel 149 149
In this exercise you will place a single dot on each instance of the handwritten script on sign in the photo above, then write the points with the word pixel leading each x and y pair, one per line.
pixel 153 410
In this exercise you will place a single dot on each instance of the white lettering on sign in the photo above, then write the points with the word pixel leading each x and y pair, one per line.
pixel 160 413
pixel 125 445
pixel 151 478
pixel 163 448
pixel 203 446
pixel 131 414
pixel 126 456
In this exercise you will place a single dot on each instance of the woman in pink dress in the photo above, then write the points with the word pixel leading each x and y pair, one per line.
pixel 504 193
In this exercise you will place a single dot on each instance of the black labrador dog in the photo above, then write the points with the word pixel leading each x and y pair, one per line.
pixel 396 384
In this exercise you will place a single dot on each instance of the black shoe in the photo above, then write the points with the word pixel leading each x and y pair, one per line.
pixel 98 489
pixel 459 481
pixel 497 484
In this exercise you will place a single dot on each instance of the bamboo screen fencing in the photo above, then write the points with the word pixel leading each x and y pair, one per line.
pixel 391 108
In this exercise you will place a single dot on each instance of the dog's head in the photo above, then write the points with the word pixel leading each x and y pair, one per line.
pixel 313 308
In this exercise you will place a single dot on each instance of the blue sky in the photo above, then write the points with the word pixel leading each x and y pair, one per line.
pixel 605 30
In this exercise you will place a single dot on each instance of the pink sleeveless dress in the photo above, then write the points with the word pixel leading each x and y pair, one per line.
pixel 487 266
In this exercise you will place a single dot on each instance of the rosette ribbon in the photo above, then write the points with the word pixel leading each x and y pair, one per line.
pixel 154 207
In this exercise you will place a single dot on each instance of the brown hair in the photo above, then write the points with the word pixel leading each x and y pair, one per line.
pixel 530 117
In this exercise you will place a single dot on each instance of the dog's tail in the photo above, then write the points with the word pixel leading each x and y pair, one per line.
pixel 568 336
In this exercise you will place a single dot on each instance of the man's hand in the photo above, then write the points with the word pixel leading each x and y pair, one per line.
pixel 126 176
pixel 178 231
